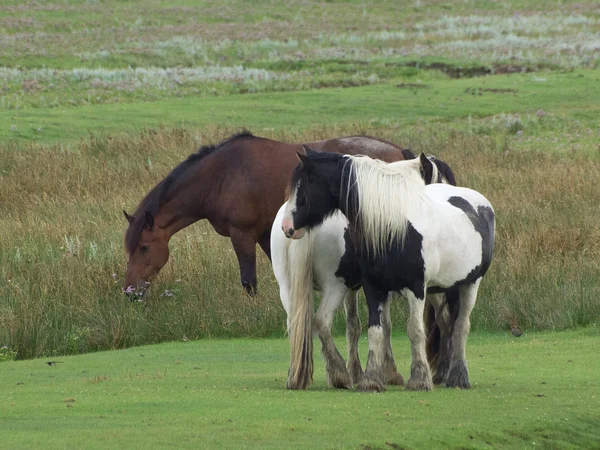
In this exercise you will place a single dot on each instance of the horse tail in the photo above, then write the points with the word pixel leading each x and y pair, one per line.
pixel 300 276
pixel 434 340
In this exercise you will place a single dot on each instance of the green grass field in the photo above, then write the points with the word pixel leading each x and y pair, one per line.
pixel 537 391
pixel 100 99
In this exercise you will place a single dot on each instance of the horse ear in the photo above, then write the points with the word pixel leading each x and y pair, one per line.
pixel 309 151
pixel 305 160
pixel 149 220
pixel 129 218
pixel 426 168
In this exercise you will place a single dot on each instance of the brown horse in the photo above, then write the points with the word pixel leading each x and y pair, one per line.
pixel 238 185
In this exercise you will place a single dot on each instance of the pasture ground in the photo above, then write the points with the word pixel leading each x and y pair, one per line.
pixel 537 391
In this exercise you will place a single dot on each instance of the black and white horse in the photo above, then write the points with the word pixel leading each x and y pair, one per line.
pixel 326 257
pixel 421 241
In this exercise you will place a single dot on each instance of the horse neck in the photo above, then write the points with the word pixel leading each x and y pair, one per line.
pixel 185 206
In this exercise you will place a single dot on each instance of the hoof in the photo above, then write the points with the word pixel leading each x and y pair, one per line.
pixel 295 386
pixel 249 289
pixel 458 377
pixel 340 380
pixel 356 372
pixel 369 383
pixel 439 379
pixel 441 373
pixel 419 385
pixel 458 384
pixel 395 379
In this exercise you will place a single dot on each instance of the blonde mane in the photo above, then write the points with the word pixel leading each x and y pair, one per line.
pixel 389 194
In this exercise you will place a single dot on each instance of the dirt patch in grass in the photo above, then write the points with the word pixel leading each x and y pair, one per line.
pixel 457 71
pixel 412 85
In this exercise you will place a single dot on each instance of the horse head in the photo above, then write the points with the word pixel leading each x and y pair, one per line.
pixel 313 192
pixel 148 249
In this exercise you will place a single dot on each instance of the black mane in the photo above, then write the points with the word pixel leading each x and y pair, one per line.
pixel 159 194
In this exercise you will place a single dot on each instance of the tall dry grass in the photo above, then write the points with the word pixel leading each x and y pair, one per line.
pixel 62 258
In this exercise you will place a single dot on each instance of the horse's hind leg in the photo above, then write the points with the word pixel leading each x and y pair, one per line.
pixel 390 372
pixel 244 246
pixel 420 373
pixel 265 243
pixel 458 374
pixel 353 335
pixel 337 375
pixel 438 340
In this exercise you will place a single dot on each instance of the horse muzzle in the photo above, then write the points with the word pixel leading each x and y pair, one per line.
pixel 136 294
pixel 287 226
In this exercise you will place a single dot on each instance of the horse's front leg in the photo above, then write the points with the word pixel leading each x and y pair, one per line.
pixel 390 371
pixel 353 335
pixel 373 378
pixel 337 375
pixel 420 373
pixel 244 246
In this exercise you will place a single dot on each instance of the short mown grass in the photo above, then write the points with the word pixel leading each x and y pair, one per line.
pixel 537 391
pixel 98 102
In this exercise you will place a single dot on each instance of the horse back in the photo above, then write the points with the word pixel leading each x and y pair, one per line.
pixel 373 147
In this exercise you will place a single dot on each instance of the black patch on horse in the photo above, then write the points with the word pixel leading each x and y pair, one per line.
pixel 400 267
pixel 349 270
pixel 483 221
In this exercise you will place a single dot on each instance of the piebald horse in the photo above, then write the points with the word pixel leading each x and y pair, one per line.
pixel 326 260
pixel 415 239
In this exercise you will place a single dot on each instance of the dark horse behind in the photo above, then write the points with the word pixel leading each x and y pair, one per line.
pixel 237 185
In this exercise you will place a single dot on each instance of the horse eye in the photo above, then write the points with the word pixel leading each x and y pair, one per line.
pixel 144 248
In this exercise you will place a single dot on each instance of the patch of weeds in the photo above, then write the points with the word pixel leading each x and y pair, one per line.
pixel 77 341
pixel 6 354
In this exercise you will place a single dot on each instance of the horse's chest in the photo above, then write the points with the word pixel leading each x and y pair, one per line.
pixel 400 267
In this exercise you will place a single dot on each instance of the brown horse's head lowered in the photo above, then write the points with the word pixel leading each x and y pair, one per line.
pixel 148 248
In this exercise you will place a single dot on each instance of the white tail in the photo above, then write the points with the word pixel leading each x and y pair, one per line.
pixel 299 268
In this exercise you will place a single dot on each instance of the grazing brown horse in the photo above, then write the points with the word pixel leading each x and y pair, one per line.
pixel 238 185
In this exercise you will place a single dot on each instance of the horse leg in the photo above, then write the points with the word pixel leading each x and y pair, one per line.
pixel 264 241
pixel 244 246
pixel 390 372
pixel 420 373
pixel 337 375
pixel 372 379
pixel 353 335
pixel 458 374
pixel 437 350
